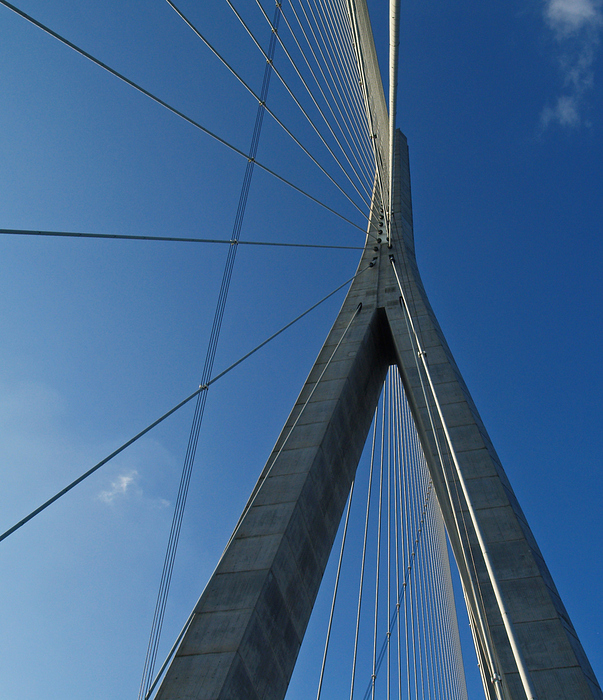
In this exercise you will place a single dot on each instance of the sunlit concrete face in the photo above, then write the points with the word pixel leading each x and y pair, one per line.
pixel 250 621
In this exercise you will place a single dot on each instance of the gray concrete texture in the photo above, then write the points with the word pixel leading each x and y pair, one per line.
pixel 249 623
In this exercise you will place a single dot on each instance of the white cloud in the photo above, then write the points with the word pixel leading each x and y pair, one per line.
pixel 142 475
pixel 566 17
pixel 119 487
pixel 565 112
pixel 42 450
pixel 576 25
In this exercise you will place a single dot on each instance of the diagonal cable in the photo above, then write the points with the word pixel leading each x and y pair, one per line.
pixel 341 122
pixel 263 104
pixel 319 108
pixel 290 92
pixel 347 115
pixel 187 469
pixel 336 48
pixel 179 239
pixel 202 388
pixel 172 109
pixel 347 104
pixel 339 29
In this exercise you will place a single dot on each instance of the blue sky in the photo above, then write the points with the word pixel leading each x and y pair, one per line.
pixel 502 105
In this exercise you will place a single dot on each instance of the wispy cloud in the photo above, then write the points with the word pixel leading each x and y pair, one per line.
pixel 41 452
pixel 566 17
pixel 576 26
pixel 119 487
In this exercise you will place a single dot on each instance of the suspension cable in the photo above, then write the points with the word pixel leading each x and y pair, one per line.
pixel 474 583
pixel 335 590
pixel 369 112
pixel 389 527
pixel 509 628
pixel 170 556
pixel 398 538
pixel 175 111
pixel 143 432
pixel 394 49
pixel 352 71
pixel 378 563
pixel 262 103
pixel 171 652
pixel 293 97
pixel 339 45
pixel 414 523
pixel 362 170
pixel 364 543
pixel 348 106
pixel 178 239
pixel 432 641
pixel 321 112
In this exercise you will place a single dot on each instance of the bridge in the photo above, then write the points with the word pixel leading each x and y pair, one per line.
pixel 125 482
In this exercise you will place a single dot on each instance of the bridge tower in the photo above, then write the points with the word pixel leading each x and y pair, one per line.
pixel 244 635
pixel 248 625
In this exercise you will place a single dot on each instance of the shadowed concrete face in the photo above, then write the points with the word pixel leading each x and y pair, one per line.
pixel 249 623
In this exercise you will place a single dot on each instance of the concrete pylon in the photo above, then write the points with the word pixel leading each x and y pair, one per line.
pixel 248 625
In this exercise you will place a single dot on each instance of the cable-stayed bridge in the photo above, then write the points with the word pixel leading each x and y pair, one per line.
pixel 378 230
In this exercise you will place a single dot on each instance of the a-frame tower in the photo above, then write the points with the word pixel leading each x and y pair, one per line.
pixel 250 621
pixel 244 636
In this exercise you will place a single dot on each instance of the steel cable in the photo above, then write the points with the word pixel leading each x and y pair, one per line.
pixel 335 590
pixel 350 107
pixel 168 568
pixel 347 112
pixel 172 109
pixel 263 104
pixel 342 124
pixel 178 239
pixel 294 98
pixel 182 403
pixel 363 184
pixel 364 547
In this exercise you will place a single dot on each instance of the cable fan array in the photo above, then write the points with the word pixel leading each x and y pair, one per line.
pixel 403 641
pixel 403 637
